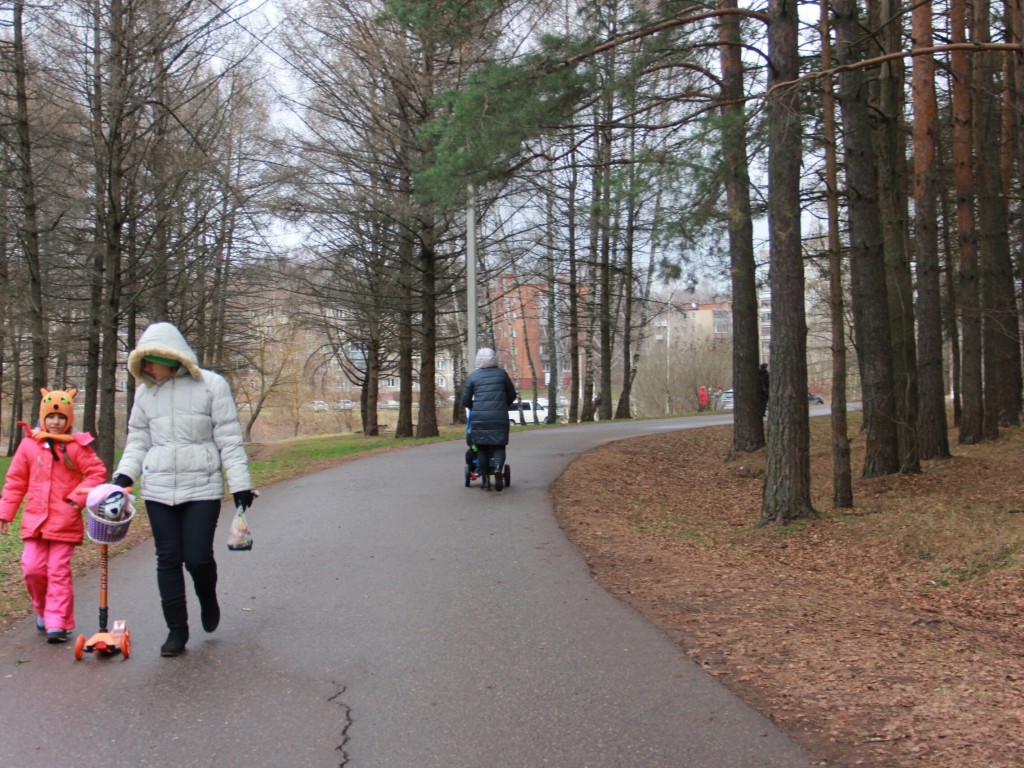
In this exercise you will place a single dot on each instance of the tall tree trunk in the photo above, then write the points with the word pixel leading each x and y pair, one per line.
pixel 787 485
pixel 842 473
pixel 368 399
pixel 867 251
pixel 1010 155
pixel 972 404
pixel 890 152
pixel 426 423
pixel 403 427
pixel 29 227
pixel 1000 331
pixel 92 371
pixel 551 308
pixel 952 307
pixel 112 216
pixel 629 297
pixel 933 431
pixel 573 288
pixel 748 425
pixel 603 286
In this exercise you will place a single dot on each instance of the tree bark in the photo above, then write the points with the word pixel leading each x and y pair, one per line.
pixel 842 473
pixel 1000 330
pixel 972 403
pixel 787 487
pixel 426 423
pixel 867 252
pixel 933 433
pixel 890 151
pixel 29 226
pixel 748 425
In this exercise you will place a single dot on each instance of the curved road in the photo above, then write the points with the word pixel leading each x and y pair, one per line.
pixel 388 617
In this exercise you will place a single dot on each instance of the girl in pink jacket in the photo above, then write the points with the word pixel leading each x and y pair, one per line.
pixel 52 471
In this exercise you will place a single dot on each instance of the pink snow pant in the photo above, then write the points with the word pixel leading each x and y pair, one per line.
pixel 47 569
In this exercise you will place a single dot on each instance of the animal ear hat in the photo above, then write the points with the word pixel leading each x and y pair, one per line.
pixel 58 401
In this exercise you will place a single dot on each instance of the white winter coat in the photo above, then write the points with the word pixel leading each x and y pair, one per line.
pixel 183 431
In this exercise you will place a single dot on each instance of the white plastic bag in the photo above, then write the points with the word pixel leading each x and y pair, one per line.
pixel 240 535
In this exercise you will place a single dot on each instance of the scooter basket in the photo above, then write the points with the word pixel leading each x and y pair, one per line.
pixel 108 531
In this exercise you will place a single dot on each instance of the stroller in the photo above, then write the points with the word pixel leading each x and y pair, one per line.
pixel 473 470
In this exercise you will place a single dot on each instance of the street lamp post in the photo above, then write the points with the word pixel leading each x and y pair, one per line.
pixel 668 368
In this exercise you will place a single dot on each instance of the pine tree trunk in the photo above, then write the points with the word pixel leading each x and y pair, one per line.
pixel 426 422
pixel 867 252
pixel 972 404
pixel 933 437
pixel 29 226
pixel 892 194
pixel 787 487
pixel 842 472
pixel 867 273
pixel 1000 345
pixel 748 425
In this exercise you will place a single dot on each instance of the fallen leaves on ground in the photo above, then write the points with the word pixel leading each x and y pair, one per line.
pixel 882 636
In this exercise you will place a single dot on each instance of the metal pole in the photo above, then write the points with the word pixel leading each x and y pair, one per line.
pixel 471 281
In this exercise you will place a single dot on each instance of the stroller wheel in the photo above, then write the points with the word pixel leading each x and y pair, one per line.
pixel 508 475
pixel 467 477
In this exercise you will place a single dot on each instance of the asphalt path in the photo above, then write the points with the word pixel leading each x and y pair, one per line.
pixel 387 617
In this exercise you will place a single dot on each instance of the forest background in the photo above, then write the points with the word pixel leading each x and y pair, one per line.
pixel 596 148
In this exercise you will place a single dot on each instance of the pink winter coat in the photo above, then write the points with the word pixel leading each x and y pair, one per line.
pixel 51 489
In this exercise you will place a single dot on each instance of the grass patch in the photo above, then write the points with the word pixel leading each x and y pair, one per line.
pixel 272 463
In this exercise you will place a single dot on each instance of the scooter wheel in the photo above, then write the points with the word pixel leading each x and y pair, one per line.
pixel 126 645
pixel 79 647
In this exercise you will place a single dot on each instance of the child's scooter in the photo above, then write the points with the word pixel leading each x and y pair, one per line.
pixel 109 513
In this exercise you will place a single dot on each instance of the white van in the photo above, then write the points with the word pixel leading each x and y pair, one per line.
pixel 513 413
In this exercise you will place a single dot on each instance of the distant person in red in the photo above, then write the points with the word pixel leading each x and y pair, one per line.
pixel 702 398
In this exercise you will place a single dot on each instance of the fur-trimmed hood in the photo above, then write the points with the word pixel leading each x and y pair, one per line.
pixel 163 340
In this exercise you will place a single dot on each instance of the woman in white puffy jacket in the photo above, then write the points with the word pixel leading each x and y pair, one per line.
pixel 183 438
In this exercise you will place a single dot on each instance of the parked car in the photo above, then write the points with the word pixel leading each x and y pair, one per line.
pixel 319 406
pixel 814 399
pixel 342 405
pixel 725 401
pixel 513 413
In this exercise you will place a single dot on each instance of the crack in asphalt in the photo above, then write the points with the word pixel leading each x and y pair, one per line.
pixel 347 723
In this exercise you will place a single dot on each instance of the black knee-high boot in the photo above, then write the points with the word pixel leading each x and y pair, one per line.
pixel 176 616
pixel 206 590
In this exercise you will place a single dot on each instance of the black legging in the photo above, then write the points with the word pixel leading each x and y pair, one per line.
pixel 484 455
pixel 183 535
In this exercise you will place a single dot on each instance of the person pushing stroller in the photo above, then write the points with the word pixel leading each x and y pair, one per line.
pixel 489 394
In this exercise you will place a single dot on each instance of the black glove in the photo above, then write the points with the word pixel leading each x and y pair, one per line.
pixel 244 498
pixel 124 481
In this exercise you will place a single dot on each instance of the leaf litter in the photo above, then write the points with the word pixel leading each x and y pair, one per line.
pixel 888 635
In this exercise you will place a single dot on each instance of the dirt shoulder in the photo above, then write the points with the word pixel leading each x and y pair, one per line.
pixel 887 635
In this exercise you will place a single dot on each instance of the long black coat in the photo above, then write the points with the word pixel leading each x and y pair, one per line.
pixel 489 394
